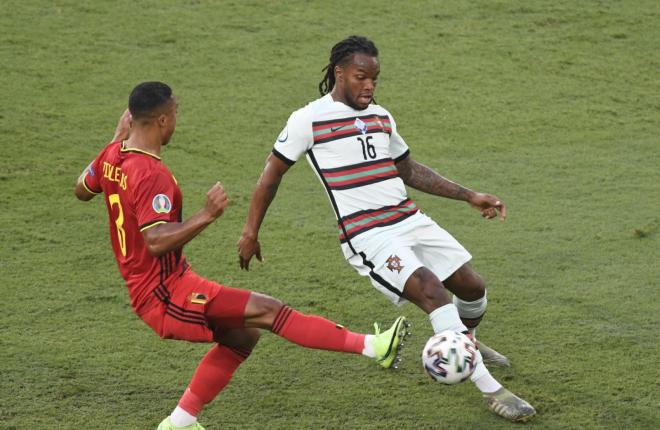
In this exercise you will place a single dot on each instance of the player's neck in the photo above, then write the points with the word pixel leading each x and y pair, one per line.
pixel 144 139
pixel 337 97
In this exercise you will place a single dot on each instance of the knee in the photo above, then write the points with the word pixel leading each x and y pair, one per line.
pixel 426 290
pixel 262 310
pixel 476 289
pixel 268 306
pixel 241 340
pixel 252 336
pixel 479 288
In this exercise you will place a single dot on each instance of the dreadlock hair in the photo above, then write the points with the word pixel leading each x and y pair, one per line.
pixel 340 55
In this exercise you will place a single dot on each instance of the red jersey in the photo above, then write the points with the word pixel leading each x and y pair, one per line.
pixel 140 193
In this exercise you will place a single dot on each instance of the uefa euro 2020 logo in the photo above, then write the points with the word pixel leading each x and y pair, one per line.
pixel 161 204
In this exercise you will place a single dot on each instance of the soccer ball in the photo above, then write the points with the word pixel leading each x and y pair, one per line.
pixel 449 357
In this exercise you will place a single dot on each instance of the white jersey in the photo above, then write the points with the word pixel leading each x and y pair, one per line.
pixel 353 154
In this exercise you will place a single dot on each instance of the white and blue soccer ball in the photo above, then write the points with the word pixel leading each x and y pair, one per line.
pixel 449 357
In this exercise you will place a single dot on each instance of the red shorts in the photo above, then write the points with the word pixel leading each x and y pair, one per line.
pixel 193 308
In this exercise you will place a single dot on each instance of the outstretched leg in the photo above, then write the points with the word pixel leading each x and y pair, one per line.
pixel 313 331
pixel 236 315
pixel 425 290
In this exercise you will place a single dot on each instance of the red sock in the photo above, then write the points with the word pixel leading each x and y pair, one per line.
pixel 213 373
pixel 312 331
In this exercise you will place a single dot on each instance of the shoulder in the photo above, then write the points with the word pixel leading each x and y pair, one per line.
pixel 300 121
pixel 140 163
pixel 144 170
pixel 312 110
pixel 110 150
pixel 114 146
pixel 380 110
pixel 305 115
pixel 300 116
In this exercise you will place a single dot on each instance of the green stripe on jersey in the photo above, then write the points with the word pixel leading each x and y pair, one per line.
pixel 332 179
pixel 379 217
pixel 349 126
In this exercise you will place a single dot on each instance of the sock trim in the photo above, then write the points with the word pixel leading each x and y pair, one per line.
pixel 241 352
pixel 471 323
pixel 281 318
pixel 191 403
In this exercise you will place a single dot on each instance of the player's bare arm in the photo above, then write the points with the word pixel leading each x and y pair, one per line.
pixel 163 238
pixel 123 127
pixel 81 192
pixel 264 193
pixel 423 178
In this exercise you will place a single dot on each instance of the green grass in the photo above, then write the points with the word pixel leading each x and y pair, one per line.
pixel 553 106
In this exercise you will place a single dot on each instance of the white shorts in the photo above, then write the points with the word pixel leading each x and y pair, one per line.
pixel 388 256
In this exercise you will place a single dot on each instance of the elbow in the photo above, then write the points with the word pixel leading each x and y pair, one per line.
pixel 82 195
pixel 155 247
pixel 156 250
pixel 155 242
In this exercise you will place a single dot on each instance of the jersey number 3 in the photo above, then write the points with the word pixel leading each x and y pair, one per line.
pixel 113 199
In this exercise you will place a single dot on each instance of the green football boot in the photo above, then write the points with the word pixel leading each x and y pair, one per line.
pixel 492 357
pixel 167 425
pixel 387 344
pixel 507 405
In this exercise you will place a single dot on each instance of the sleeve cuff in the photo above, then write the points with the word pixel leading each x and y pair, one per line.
pixel 283 158
pixel 84 183
pixel 148 225
pixel 402 156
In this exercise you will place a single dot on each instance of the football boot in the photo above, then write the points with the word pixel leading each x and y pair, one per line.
pixel 388 344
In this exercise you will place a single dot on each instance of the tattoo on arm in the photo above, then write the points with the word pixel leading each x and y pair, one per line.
pixel 425 179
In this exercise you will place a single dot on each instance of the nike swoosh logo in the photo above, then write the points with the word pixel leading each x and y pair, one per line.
pixel 333 129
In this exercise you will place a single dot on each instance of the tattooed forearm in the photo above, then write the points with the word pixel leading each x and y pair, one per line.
pixel 424 179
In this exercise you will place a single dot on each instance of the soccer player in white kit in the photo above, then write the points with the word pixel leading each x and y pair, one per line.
pixel 363 163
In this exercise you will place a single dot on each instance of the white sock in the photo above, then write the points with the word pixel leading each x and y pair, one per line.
pixel 369 350
pixel 446 318
pixel 181 418
pixel 482 377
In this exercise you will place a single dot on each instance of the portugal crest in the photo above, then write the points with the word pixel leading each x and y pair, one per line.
pixel 394 263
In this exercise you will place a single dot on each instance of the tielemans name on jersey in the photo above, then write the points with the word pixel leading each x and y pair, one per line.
pixel 114 174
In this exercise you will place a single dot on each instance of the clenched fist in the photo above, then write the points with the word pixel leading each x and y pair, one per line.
pixel 216 200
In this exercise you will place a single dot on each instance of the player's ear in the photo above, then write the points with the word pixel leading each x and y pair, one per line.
pixel 339 73
pixel 162 120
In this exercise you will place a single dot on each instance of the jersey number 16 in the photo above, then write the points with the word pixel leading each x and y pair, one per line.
pixel 368 150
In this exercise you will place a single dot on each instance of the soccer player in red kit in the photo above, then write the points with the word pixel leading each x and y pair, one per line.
pixel 148 233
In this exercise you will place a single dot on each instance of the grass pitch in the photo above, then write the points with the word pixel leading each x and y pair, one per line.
pixel 553 106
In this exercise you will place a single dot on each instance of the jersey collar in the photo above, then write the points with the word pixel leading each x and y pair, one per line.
pixel 139 151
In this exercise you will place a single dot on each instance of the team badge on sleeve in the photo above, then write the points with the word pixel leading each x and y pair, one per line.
pixel 161 204
pixel 284 135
